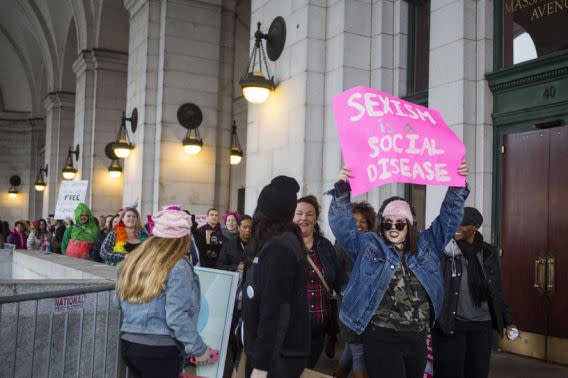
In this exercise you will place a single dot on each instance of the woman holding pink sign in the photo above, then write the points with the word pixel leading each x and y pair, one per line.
pixel 396 288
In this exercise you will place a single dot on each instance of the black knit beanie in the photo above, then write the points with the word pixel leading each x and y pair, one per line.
pixel 472 216
pixel 278 199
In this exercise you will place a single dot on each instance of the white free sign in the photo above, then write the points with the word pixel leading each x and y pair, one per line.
pixel 70 194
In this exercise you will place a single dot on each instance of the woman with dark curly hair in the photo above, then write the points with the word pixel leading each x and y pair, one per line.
pixel 352 356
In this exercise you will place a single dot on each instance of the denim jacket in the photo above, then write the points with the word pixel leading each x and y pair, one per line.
pixel 375 261
pixel 173 312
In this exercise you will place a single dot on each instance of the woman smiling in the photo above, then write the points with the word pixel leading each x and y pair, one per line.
pixel 324 273
pixel 125 237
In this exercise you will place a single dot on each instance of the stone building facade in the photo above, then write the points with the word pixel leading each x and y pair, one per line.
pixel 82 63
pixel 496 70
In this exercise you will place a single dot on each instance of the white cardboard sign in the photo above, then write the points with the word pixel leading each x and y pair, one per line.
pixel 70 194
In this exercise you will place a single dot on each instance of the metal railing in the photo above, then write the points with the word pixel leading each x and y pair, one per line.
pixel 62 333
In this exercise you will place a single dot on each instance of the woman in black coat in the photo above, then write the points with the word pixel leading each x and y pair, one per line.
pixel 275 309
pixel 473 304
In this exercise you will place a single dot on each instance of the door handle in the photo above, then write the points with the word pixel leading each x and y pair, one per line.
pixel 550 275
pixel 539 272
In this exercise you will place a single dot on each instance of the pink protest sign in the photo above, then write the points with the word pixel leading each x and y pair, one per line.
pixel 385 139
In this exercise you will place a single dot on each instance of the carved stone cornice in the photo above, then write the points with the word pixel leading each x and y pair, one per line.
pixel 58 100
pixel 547 68
pixel 110 60
pixel 84 62
pixel 522 81
pixel 133 6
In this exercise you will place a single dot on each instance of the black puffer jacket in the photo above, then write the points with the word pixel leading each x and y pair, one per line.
pixel 500 315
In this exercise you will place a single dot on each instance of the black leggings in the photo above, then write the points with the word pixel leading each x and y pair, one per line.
pixel 394 354
pixel 316 345
pixel 465 354
pixel 148 361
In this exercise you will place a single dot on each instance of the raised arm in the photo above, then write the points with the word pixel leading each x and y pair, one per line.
pixel 444 227
pixel 341 219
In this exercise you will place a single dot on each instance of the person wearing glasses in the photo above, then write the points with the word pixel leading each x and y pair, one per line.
pixel 396 288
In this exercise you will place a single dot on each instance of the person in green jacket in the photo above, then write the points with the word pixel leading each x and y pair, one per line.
pixel 78 239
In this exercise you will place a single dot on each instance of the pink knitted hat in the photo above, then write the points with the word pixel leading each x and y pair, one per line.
pixel 233 213
pixel 171 222
pixel 398 208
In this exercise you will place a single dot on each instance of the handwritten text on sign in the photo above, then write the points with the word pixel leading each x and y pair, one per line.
pixel 70 194
pixel 385 139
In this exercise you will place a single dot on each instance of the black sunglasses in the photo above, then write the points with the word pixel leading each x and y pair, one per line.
pixel 388 226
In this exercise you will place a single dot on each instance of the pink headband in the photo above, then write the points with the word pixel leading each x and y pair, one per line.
pixel 398 208
pixel 171 223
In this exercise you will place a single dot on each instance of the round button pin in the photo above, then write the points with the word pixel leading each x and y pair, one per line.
pixel 250 292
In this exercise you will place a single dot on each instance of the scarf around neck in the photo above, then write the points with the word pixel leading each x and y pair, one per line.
pixel 478 287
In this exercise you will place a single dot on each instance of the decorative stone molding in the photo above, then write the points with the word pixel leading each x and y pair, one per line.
pixel 543 76
pixel 22 125
pixel 110 60
pixel 57 100
pixel 37 124
pixel 549 67
pixel 133 6
pixel 101 59
pixel 85 62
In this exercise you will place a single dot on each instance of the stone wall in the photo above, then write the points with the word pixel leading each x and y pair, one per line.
pixel 461 53
pixel 21 144
pixel 331 46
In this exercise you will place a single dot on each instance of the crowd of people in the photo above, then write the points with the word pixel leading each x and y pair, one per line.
pixel 381 287
pixel 41 234
pixel 109 238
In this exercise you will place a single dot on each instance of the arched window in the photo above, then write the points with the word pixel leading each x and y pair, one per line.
pixel 531 28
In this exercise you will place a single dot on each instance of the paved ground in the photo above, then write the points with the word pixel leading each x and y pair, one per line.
pixel 503 365
pixel 506 365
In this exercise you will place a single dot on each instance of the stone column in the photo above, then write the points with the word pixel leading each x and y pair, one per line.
pixel 37 138
pixel 241 35
pixel 177 56
pixel 460 54
pixel 331 46
pixel 59 118
pixel 286 133
pixel 16 148
pixel 101 99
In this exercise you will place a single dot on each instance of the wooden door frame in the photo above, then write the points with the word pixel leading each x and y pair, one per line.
pixel 522 101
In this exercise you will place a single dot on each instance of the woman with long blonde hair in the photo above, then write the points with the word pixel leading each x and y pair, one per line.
pixel 158 292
